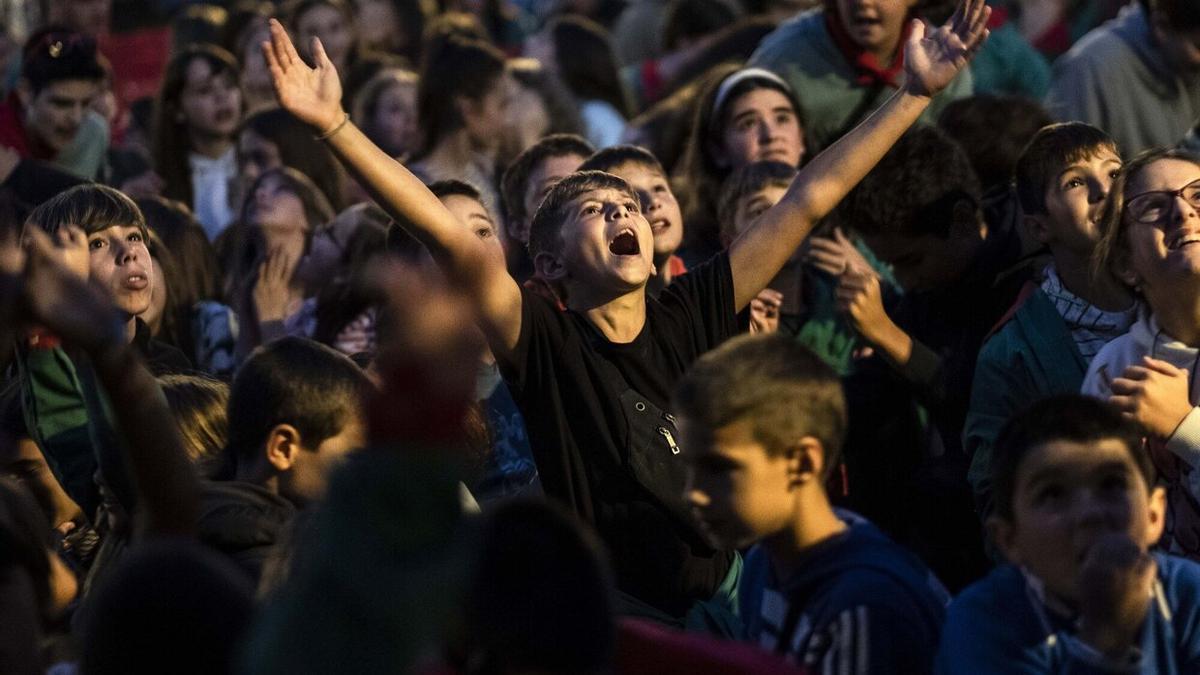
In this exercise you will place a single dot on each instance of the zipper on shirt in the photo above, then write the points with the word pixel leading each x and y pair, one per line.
pixel 666 433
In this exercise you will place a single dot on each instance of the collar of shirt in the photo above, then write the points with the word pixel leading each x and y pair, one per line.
pixel 868 71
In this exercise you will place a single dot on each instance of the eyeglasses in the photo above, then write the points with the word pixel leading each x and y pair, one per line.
pixel 1151 208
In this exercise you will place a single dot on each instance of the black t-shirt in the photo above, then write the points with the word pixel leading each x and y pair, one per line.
pixel 602 436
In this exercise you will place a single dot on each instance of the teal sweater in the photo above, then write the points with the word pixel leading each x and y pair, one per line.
pixel 1030 357
pixel 804 54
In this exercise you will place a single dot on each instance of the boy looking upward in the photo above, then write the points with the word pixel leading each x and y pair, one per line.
pixel 642 170
pixel 1047 339
pixel 1076 511
pixel 594 381
pixel 763 421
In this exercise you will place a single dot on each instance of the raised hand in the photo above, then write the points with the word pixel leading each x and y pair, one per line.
pixel 65 303
pixel 836 254
pixel 764 311
pixel 933 59
pixel 313 95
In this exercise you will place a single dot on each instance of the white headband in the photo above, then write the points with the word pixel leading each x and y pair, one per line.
pixel 742 75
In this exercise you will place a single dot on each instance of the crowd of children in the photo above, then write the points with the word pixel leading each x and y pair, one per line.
pixel 599 336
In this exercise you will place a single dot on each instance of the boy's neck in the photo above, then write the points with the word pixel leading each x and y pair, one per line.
pixel 619 319
pixel 212 147
pixel 812 523
pixel 1105 292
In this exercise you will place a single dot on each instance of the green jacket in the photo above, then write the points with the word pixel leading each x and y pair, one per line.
pixel 1030 357
pixel 803 53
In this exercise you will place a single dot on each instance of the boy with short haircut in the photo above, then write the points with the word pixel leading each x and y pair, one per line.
pixel 100 235
pixel 60 75
pixel 1045 342
pixel 594 381
pixel 644 173
pixel 531 176
pixel 763 421
pixel 294 414
pixel 1076 512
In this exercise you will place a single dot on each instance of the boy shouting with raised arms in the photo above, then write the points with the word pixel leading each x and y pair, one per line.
pixel 594 382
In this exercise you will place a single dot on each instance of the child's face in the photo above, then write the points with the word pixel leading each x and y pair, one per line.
pixel 256 155
pixel 753 205
pixel 119 264
pixel 926 262
pixel 210 103
pixel 1166 251
pixel 527 117
pixel 308 476
pixel 475 216
pixel 485 118
pixel 762 127
pixel 1074 200
pixel 542 179
pixel 55 113
pixel 396 117
pixel 336 33
pixel 658 205
pixel 158 298
pixel 1066 496
pixel 607 242
pixel 738 492
pixel 875 25
pixel 279 215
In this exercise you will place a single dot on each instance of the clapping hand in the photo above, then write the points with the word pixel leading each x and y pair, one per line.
pixel 933 59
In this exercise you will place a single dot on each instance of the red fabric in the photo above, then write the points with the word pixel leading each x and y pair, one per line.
pixel 675 266
pixel 646 648
pixel 139 59
pixel 12 129
pixel 867 67
pixel 1054 40
pixel 411 408
pixel 652 81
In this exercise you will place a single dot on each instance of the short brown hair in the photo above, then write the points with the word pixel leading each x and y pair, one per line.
pixel 1111 248
pixel 545 231
pixel 516 176
pixel 1052 149
pixel 776 383
pixel 746 181
pixel 91 207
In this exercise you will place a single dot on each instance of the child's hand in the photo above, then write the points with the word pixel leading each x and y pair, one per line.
pixel 835 255
pixel 932 61
pixel 859 296
pixel 764 311
pixel 65 303
pixel 272 291
pixel 313 95
pixel 1115 582
pixel 1155 394
pixel 358 336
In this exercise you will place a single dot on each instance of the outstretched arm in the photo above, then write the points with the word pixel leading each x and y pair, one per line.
pixel 930 62
pixel 314 96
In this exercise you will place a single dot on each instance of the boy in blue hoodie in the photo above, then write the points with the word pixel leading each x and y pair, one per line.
pixel 763 420
pixel 1076 511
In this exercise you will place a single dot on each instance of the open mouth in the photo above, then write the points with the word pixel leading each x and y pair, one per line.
pixel 657 226
pixel 625 243
pixel 137 282
pixel 863 21
pixel 1183 240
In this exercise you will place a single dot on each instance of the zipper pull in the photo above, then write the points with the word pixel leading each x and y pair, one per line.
pixel 666 433
pixel 670 418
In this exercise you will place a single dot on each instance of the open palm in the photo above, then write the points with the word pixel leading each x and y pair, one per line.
pixel 313 95
pixel 931 61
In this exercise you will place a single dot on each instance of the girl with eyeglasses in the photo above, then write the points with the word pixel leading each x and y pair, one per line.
pixel 1151 240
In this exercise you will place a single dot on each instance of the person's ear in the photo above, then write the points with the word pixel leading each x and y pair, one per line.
pixel 805 461
pixel 283 447
pixel 549 266
pixel 1156 513
pixel 1035 225
pixel 1003 535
